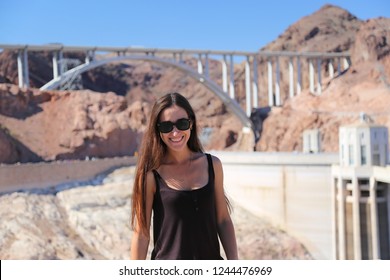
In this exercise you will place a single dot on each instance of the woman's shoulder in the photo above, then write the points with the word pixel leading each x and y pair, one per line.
pixel 216 161
pixel 214 157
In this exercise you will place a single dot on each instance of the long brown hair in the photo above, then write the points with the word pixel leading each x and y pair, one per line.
pixel 152 152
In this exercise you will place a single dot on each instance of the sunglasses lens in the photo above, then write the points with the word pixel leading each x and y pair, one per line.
pixel 165 127
pixel 181 124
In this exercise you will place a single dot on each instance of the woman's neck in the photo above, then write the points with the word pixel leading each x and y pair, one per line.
pixel 179 157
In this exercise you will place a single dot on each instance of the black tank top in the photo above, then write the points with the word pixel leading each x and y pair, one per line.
pixel 184 222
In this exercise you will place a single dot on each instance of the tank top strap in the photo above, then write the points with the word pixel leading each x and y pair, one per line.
pixel 211 167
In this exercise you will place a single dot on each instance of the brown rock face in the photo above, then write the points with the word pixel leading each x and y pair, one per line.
pixel 72 125
pixel 364 88
pixel 7 150
pixel 330 29
pixel 371 42
pixel 372 49
pixel 12 151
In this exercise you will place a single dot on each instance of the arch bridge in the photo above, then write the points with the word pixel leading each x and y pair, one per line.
pixel 65 76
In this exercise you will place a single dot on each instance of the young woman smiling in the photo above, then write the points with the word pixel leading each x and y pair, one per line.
pixel 182 186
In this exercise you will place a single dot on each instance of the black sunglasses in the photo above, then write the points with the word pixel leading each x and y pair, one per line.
pixel 181 124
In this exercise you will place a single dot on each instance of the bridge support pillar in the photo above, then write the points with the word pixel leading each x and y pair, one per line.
pixel 311 76
pixel 200 66
pixel 248 86
pixel 224 75
pixel 319 86
pixel 255 84
pixel 89 56
pixel 206 65
pixel 339 66
pixel 231 82
pixel 270 91
pixel 23 74
pixel 291 77
pixel 331 69
pixel 299 76
pixel 345 63
pixel 278 100
pixel 57 64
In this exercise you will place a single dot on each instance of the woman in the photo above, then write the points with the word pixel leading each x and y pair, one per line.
pixel 182 186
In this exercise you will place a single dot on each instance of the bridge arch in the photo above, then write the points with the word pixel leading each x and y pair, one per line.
pixel 230 104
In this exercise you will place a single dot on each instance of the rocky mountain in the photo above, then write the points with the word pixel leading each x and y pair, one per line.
pixel 363 89
pixel 330 29
pixel 94 120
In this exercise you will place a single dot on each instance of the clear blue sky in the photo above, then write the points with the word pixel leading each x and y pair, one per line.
pixel 245 25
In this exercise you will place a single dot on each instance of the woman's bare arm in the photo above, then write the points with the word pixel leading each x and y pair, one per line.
pixel 225 225
pixel 140 241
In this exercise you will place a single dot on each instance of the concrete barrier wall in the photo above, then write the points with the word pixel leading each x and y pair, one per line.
pixel 46 174
pixel 293 191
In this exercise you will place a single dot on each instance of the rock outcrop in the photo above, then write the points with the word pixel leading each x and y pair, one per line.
pixel 364 88
pixel 71 125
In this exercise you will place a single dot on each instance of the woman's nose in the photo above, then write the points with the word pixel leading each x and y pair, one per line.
pixel 175 129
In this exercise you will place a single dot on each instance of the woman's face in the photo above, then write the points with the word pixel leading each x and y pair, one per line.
pixel 176 139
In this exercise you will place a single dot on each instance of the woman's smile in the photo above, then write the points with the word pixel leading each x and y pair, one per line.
pixel 176 139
